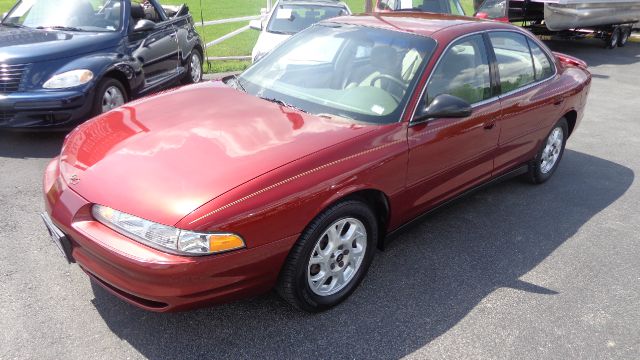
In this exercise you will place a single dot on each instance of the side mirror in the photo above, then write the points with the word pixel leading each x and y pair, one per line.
pixel 263 11
pixel 255 25
pixel 144 25
pixel 445 106
pixel 4 16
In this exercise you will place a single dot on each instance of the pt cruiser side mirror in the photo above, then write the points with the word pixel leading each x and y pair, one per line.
pixel 144 25
pixel 445 106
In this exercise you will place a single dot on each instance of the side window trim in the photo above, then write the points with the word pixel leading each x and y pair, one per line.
pixel 493 66
pixel 546 54
pixel 533 84
pixel 423 91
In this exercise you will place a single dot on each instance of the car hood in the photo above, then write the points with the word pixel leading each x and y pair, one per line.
pixel 26 45
pixel 163 157
pixel 268 41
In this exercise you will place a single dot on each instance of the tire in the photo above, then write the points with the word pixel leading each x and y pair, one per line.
pixel 548 157
pixel 625 33
pixel 194 68
pixel 339 272
pixel 110 93
pixel 613 39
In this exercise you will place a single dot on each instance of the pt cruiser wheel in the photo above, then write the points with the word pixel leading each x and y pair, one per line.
pixel 550 153
pixel 331 257
pixel 194 70
pixel 110 95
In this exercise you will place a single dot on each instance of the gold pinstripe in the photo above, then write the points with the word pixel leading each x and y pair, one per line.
pixel 308 172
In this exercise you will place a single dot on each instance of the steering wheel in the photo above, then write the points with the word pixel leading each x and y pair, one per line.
pixel 401 85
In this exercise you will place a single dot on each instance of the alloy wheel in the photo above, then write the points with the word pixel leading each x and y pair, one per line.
pixel 552 150
pixel 112 98
pixel 196 68
pixel 337 256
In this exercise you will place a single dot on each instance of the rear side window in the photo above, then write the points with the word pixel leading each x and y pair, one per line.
pixel 541 63
pixel 463 71
pixel 515 64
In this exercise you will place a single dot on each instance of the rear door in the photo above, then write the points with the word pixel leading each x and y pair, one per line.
pixel 447 155
pixel 529 95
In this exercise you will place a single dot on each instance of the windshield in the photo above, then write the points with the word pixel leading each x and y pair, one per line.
pixel 74 15
pixel 291 19
pixel 368 74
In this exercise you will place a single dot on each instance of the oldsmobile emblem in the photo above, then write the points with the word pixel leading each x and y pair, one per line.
pixel 74 179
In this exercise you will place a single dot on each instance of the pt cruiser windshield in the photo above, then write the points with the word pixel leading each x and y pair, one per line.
pixel 71 15
pixel 350 71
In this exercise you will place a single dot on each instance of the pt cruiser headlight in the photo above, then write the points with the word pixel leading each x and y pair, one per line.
pixel 166 238
pixel 69 79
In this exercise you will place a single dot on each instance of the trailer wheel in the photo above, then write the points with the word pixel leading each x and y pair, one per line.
pixel 613 39
pixel 625 32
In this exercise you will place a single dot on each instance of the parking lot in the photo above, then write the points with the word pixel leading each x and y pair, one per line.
pixel 514 271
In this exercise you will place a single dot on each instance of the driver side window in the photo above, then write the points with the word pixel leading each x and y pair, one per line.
pixel 463 71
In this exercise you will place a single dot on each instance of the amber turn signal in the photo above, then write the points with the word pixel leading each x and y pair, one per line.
pixel 224 242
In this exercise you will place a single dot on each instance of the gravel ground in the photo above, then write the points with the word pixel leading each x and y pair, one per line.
pixel 514 271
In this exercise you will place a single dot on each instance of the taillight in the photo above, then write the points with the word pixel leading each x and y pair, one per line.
pixel 570 60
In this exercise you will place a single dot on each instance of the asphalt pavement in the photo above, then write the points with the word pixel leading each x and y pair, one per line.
pixel 514 271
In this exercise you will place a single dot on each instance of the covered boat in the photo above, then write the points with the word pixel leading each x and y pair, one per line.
pixel 563 14
pixel 572 14
pixel 611 21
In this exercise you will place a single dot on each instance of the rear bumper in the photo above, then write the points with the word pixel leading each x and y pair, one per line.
pixel 45 109
pixel 151 279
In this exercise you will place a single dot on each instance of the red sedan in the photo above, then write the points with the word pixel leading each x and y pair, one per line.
pixel 291 174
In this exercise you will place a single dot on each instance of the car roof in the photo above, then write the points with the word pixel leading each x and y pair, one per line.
pixel 421 23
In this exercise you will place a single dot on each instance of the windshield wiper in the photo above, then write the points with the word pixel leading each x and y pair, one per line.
pixel 282 103
pixel 12 25
pixel 60 27
pixel 237 80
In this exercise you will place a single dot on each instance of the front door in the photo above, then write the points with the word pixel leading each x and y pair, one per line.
pixel 450 155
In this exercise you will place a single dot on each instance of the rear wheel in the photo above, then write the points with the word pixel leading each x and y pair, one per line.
pixel 194 68
pixel 330 258
pixel 625 33
pixel 548 158
pixel 110 94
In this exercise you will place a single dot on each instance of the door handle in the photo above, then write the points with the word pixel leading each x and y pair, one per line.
pixel 558 101
pixel 489 126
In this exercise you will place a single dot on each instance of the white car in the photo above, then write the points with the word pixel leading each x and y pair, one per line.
pixel 289 17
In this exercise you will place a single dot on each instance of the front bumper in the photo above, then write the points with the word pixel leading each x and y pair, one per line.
pixel 45 109
pixel 151 279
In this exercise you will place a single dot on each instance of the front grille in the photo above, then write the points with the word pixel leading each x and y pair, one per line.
pixel 11 77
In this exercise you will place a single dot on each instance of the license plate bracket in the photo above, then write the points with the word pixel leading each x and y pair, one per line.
pixel 59 238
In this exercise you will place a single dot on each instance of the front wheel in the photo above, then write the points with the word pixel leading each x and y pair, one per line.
pixel 110 94
pixel 194 68
pixel 330 258
pixel 548 158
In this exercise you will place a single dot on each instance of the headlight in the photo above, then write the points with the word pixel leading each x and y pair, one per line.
pixel 166 238
pixel 69 79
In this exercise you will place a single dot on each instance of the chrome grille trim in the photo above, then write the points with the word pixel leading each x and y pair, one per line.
pixel 11 77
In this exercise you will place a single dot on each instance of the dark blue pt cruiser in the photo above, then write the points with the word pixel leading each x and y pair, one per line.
pixel 64 61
